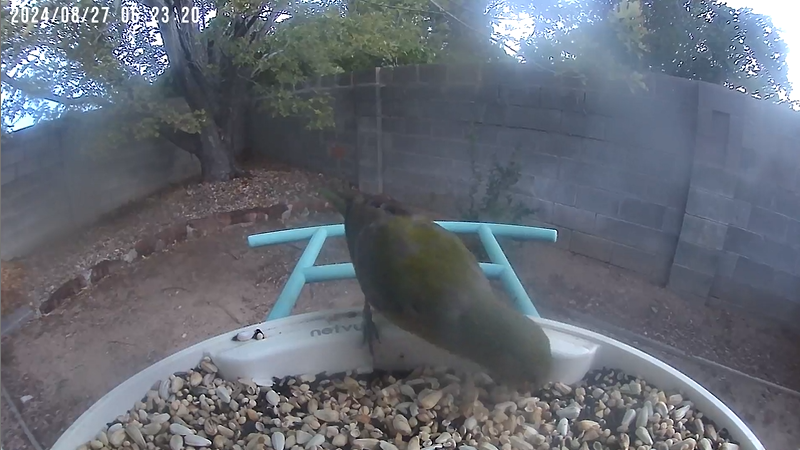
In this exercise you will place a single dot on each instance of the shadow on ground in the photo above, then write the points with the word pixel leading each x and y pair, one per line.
pixel 201 288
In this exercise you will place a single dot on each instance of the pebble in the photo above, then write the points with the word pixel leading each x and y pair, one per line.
pixel 424 409
pixel 317 439
pixel 176 442
pixel 340 440
pixel 675 399
pixel 430 400
pixel 163 389
pixel 401 425
pixel 116 438
pixel 196 441
pixel 326 415
pixel 302 437
pixel 179 429
pixel 223 394
pixel 571 412
pixel 135 433
pixel 195 379
pixel 273 398
pixel 644 435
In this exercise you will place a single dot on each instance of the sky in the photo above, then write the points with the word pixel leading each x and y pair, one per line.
pixel 784 15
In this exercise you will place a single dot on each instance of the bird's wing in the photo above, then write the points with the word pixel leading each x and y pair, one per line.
pixel 412 271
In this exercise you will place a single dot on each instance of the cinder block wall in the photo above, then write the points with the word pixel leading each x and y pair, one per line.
pixel 60 176
pixel 689 184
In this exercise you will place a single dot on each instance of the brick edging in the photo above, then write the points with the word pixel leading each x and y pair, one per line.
pixel 170 235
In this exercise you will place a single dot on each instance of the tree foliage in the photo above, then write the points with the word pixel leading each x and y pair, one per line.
pixel 701 40
pixel 192 82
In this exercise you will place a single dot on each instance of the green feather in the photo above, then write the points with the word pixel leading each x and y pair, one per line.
pixel 424 279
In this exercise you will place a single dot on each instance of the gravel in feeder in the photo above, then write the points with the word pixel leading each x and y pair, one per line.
pixel 424 409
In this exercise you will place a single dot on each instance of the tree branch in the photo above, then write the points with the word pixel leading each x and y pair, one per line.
pixel 186 141
pixel 66 101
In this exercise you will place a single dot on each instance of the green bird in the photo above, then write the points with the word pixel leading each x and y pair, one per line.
pixel 423 279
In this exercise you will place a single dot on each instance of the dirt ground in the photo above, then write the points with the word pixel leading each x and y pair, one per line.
pixel 201 288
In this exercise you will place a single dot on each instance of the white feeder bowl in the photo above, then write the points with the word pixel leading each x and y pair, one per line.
pixel 330 341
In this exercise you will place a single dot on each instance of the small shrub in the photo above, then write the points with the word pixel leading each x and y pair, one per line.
pixel 491 201
pixel 494 202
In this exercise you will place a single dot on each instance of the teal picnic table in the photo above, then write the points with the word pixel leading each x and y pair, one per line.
pixel 305 271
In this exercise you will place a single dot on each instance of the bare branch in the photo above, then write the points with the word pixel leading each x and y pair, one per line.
pixel 186 141
pixel 38 93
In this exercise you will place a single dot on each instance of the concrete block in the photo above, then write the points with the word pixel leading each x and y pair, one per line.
pixel 366 76
pixel 448 129
pixel 388 124
pixel 787 285
pixel 495 114
pixel 583 125
pixel 393 108
pixel 754 300
pixel 756 192
pixel 533 118
pixel 643 213
pixel 518 138
pixel 432 73
pixel 754 274
pixel 573 218
pixel 697 258
pixel 654 267
pixel 761 249
pixel 417 163
pixel 365 94
pixel 630 131
pixel 591 246
pixel 404 75
pixel 793 233
pixel 602 152
pixel 726 263
pixel 369 139
pixel 768 223
pixel 704 232
pixel 554 190
pixel 463 73
pixel 667 193
pixel 440 110
pixel 483 134
pixel 391 93
pixel 633 235
pixel 673 221
pixel 688 281
pixel 598 200
pixel 370 124
pixel 717 208
pixel 538 164
pixel 11 156
pixel 458 93
pixel 788 203
pixel 8 174
pixel 565 99
pixel 418 127
pixel 560 145
pixel 526 96
pixel 26 167
pixel 581 173
pixel 524 186
pixel 544 209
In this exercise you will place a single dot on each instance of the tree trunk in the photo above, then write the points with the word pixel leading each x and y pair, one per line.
pixel 216 158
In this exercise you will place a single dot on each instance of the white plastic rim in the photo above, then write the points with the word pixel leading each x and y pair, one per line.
pixel 330 341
